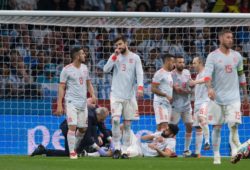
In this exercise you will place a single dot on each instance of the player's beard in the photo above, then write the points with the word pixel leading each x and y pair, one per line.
pixel 170 67
pixel 164 135
pixel 180 68
pixel 228 46
pixel 123 50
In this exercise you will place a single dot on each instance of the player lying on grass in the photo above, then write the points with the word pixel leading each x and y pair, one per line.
pixel 160 144
pixel 243 152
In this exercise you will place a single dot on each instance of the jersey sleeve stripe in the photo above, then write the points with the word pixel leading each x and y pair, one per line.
pixel 243 83
pixel 206 79
pixel 156 83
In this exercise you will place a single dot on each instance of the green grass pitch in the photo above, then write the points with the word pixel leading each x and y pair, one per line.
pixel 87 163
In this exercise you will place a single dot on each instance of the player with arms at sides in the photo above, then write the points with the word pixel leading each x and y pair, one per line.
pixel 162 87
pixel 223 72
pixel 127 71
pixel 200 107
pixel 74 83
pixel 181 106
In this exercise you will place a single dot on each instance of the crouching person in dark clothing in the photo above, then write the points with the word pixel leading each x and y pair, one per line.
pixel 91 141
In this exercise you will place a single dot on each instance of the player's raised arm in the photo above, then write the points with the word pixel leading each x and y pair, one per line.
pixel 111 61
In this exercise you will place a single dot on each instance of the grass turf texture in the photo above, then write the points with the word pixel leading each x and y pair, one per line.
pixel 86 163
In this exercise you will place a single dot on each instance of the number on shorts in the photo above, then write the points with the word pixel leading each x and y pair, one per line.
pixel 237 115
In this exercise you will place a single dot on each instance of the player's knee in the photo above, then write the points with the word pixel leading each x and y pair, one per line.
pixel 198 129
pixel 188 127
pixel 126 127
pixel 202 121
pixel 82 130
pixel 72 127
pixel 217 128
pixel 232 125
pixel 116 121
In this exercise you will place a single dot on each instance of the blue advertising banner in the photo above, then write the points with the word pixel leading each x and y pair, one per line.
pixel 20 134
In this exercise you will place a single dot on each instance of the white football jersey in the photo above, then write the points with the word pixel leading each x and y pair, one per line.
pixel 76 86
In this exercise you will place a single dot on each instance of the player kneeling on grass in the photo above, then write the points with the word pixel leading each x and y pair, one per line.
pixel 243 152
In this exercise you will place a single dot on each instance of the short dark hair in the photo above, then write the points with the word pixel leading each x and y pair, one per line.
pixel 120 37
pixel 224 31
pixel 173 128
pixel 179 56
pixel 74 51
pixel 167 57
pixel 201 60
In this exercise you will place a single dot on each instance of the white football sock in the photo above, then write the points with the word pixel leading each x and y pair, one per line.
pixel 188 138
pixel 71 140
pixel 116 132
pixel 216 139
pixel 198 142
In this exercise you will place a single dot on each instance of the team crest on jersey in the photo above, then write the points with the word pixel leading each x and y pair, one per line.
pixel 235 59
pixel 84 72
pixel 131 60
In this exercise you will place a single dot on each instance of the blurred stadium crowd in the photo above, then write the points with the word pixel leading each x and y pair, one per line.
pixel 130 5
pixel 34 55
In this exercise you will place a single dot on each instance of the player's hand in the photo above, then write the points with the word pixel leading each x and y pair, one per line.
pixel 115 54
pixel 100 141
pixel 245 100
pixel 211 93
pixel 59 110
pixel 160 139
pixel 192 83
pixel 152 146
pixel 140 92
pixel 94 99
pixel 170 99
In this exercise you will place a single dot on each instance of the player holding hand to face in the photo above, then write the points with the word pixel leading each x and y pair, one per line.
pixel 127 78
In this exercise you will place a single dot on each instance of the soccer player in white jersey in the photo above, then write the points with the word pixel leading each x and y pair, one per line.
pixel 127 78
pixel 161 143
pixel 223 72
pixel 200 108
pixel 162 87
pixel 74 83
pixel 181 106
